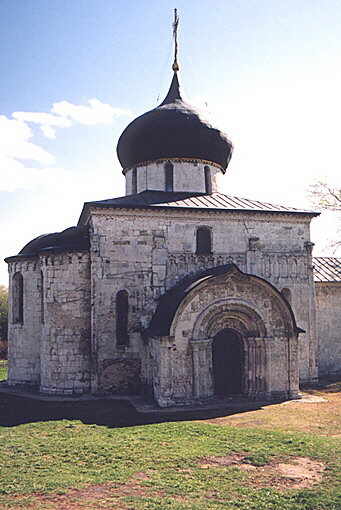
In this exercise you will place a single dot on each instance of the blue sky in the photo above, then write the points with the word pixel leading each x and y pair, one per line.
pixel 74 73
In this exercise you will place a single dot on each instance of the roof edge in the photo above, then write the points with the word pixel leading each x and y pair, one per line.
pixel 213 209
pixel 17 258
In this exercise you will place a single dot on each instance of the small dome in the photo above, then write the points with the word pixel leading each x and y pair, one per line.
pixel 71 239
pixel 172 130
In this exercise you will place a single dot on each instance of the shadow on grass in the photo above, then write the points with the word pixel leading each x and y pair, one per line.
pixel 15 410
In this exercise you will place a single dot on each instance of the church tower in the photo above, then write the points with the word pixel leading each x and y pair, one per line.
pixel 172 148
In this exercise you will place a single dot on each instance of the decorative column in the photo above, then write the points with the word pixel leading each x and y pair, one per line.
pixel 202 368
pixel 163 387
pixel 268 375
pixel 257 368
pixel 311 329
pixel 251 367
pixel 261 368
pixel 253 256
pixel 293 367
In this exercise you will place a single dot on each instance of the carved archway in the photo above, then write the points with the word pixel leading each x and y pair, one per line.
pixel 251 307
pixel 250 328
pixel 229 313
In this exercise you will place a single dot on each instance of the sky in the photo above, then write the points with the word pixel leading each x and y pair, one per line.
pixel 74 74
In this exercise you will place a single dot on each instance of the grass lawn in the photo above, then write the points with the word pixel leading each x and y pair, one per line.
pixel 235 462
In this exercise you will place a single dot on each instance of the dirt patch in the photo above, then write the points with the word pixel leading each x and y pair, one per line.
pixel 103 496
pixel 303 469
pixel 235 459
pixel 299 473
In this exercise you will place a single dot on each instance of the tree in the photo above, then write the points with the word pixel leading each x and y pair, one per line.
pixel 3 321
pixel 3 312
pixel 328 197
pixel 325 196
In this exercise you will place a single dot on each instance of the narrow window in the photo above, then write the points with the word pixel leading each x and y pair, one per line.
pixel 18 298
pixel 208 180
pixel 134 182
pixel 41 290
pixel 204 241
pixel 122 308
pixel 169 176
pixel 286 293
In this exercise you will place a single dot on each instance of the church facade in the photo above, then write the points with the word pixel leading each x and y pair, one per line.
pixel 176 290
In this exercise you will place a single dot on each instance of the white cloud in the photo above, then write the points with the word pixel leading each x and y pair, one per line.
pixel 47 121
pixel 15 175
pixel 15 142
pixel 65 114
pixel 48 131
pixel 96 113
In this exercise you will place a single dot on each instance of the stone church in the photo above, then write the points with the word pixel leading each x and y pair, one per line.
pixel 175 291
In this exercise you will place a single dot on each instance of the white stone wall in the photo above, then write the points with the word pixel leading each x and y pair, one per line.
pixel 65 346
pixel 147 252
pixel 290 267
pixel 24 339
pixel 72 347
pixel 328 298
pixel 188 176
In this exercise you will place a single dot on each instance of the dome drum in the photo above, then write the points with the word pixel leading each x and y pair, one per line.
pixel 187 175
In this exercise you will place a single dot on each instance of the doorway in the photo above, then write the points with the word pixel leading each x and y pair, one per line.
pixel 228 362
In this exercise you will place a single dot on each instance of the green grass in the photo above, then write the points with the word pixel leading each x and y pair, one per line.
pixel 3 369
pixel 55 464
pixel 54 456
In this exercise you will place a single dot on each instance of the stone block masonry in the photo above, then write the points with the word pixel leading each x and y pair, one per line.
pixel 328 299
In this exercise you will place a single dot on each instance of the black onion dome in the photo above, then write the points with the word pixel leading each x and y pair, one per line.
pixel 172 130
pixel 71 239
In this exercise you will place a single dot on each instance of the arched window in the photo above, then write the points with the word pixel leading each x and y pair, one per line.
pixel 41 290
pixel 169 176
pixel 204 241
pixel 286 293
pixel 134 181
pixel 122 308
pixel 18 298
pixel 208 180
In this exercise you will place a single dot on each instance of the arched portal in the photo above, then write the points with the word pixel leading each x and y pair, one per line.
pixel 228 362
pixel 231 333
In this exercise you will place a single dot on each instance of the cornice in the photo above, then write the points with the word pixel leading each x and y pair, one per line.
pixel 185 213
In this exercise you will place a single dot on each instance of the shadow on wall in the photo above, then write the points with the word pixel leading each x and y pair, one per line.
pixel 16 410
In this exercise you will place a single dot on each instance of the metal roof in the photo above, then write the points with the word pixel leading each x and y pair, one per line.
pixel 70 239
pixel 327 269
pixel 194 201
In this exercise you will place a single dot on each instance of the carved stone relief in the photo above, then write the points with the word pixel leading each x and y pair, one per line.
pixel 275 266
pixel 252 308
pixel 182 264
